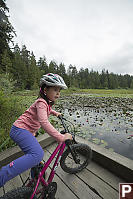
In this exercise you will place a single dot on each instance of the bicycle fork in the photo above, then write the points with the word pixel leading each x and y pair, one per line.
pixel 74 155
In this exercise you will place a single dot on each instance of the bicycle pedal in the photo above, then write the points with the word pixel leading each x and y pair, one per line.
pixel 36 170
pixel 50 190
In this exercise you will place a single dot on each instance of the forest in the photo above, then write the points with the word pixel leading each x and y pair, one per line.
pixel 20 66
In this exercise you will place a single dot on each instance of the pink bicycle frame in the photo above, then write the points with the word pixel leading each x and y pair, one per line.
pixel 59 149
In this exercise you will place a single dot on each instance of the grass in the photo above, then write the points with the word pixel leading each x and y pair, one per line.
pixel 128 93
pixel 95 92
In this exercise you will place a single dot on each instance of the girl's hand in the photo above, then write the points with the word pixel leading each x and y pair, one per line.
pixel 57 114
pixel 68 136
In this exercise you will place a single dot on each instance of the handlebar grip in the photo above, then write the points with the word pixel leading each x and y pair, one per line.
pixel 63 132
pixel 67 142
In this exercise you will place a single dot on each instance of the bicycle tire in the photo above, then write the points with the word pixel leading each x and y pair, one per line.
pixel 83 151
pixel 19 193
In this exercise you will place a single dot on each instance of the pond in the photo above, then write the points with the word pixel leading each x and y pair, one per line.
pixel 104 121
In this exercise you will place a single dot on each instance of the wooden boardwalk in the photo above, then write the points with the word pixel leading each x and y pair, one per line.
pixel 94 182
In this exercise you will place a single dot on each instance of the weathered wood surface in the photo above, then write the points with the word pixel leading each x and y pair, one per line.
pixel 102 182
pixel 94 182
pixel 114 162
pixel 13 184
pixel 1 191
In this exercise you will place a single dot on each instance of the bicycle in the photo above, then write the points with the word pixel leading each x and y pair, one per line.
pixel 78 154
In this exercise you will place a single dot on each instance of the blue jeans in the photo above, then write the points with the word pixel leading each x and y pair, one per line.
pixel 32 150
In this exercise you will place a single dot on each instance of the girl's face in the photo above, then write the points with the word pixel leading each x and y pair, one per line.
pixel 52 93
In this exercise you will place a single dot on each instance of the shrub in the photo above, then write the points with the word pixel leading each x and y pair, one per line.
pixel 9 112
pixel 6 83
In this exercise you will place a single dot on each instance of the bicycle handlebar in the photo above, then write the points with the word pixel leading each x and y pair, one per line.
pixel 63 123
pixel 66 130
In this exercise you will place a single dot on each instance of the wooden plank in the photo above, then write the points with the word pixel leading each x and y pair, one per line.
pixel 81 189
pixel 101 187
pixel 105 175
pixel 25 175
pixel 62 190
pixel 1 191
pixel 73 182
pixel 13 184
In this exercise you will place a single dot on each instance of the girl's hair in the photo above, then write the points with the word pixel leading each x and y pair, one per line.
pixel 42 95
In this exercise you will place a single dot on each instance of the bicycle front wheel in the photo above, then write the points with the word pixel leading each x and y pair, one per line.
pixel 19 193
pixel 83 155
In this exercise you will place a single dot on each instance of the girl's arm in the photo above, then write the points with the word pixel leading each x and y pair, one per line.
pixel 45 124
pixel 55 113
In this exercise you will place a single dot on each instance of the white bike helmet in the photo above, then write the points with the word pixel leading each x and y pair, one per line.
pixel 51 79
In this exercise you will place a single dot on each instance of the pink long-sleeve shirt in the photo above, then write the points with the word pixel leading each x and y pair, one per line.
pixel 37 116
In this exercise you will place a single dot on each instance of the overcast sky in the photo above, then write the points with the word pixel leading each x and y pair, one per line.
pixel 92 34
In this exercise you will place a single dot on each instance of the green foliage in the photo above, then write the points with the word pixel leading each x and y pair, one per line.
pixel 6 63
pixel 9 112
pixel 6 83
pixel 131 86
pixel 6 30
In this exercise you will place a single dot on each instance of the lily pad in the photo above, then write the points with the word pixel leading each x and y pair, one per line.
pixel 96 140
pixel 103 143
pixel 92 132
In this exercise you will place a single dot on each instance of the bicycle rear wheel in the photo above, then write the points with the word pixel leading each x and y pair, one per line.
pixel 19 193
pixel 83 155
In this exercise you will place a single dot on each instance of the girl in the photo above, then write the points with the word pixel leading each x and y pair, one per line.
pixel 25 127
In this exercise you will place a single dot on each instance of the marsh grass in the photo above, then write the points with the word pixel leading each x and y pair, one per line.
pixel 128 93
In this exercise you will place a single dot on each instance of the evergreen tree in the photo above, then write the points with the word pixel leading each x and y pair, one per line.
pixel 42 65
pixel 113 81
pixel 123 82
pixel 53 67
pixel 82 78
pixel 104 79
pixel 19 70
pixel 33 73
pixel 131 85
pixel 69 72
pixel 128 80
pixel 94 80
pixel 25 54
pixel 61 70
pixel 6 31
pixel 6 63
